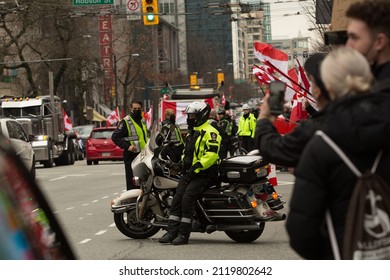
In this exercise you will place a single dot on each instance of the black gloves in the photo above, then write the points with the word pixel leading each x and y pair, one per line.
pixel 191 173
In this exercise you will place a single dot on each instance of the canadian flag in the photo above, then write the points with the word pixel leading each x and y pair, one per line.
pixel 263 74
pixel 67 123
pixel 113 118
pixel 148 116
pixel 180 107
pixel 272 176
pixel 303 80
pixel 223 99
pixel 266 52
pixel 282 125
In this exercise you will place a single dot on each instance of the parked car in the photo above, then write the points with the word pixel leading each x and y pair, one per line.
pixel 100 146
pixel 20 142
pixel 83 132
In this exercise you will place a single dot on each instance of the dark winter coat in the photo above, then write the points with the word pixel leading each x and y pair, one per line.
pixel 361 127
pixel 285 150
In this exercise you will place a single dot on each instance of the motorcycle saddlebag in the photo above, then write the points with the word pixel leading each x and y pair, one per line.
pixel 246 169
pixel 225 206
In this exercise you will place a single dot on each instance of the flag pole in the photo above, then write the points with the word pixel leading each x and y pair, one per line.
pixel 291 80
pixel 286 76
pixel 119 115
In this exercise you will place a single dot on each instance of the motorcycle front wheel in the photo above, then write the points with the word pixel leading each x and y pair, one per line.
pixel 128 224
pixel 245 236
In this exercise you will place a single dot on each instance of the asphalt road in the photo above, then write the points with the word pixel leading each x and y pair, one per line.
pixel 80 196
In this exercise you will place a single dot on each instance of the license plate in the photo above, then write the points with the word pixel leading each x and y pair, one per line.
pixel 106 154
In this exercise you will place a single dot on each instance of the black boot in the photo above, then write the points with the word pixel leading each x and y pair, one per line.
pixel 173 228
pixel 184 234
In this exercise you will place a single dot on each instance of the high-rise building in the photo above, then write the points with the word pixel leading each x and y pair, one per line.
pixel 221 33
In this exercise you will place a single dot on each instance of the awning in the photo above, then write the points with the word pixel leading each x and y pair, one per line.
pixel 96 117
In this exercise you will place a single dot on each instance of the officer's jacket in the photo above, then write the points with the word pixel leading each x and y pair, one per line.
pixel 170 132
pixel 247 126
pixel 207 146
pixel 129 132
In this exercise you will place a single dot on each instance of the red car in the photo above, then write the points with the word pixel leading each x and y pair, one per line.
pixel 100 146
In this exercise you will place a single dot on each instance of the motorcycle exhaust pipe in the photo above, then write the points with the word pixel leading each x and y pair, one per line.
pixel 278 217
pixel 212 228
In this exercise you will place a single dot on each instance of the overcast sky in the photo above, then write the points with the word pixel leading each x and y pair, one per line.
pixel 284 21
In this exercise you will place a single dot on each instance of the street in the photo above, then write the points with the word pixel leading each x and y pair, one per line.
pixel 80 195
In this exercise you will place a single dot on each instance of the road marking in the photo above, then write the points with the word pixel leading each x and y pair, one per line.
pixel 112 225
pixel 69 208
pixel 89 214
pixel 85 241
pixel 85 204
pixel 81 218
pixel 95 201
pixel 282 183
pixel 104 197
pixel 59 178
pixel 100 232
pixel 71 175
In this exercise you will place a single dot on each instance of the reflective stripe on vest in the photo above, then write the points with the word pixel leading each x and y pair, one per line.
pixel 133 135
pixel 175 138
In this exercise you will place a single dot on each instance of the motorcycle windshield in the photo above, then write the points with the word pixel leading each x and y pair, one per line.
pixel 155 130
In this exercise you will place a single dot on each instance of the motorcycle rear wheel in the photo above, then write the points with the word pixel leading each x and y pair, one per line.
pixel 132 228
pixel 245 236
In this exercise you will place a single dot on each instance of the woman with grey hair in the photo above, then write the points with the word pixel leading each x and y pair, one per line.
pixel 346 72
pixel 358 123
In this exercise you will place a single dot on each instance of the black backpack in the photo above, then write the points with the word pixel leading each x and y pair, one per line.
pixel 367 225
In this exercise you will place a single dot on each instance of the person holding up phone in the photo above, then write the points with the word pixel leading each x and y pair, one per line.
pixel 286 150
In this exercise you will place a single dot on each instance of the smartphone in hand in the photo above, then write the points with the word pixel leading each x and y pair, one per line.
pixel 276 98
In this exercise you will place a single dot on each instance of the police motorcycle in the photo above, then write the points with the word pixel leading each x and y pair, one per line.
pixel 240 203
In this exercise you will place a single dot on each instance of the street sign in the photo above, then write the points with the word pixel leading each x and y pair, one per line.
pixel 164 90
pixel 167 91
pixel 133 8
pixel 92 2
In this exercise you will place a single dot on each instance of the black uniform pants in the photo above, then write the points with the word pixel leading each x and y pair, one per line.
pixel 247 143
pixel 183 203
pixel 128 159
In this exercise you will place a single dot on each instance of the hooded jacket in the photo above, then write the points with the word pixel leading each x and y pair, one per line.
pixel 360 126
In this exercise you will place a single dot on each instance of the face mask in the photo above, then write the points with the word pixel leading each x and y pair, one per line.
pixel 191 123
pixel 136 114
pixel 172 118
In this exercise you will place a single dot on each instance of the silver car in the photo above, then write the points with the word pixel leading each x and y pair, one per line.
pixel 14 134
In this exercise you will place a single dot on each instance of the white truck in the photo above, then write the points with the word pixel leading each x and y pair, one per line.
pixel 43 117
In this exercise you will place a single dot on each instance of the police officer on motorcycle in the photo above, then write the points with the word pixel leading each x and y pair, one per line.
pixel 200 161
pixel 170 138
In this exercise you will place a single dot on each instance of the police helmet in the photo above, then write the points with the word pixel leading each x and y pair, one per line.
pixel 246 107
pixel 201 110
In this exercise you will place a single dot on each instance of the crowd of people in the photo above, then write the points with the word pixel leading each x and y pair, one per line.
pixel 351 86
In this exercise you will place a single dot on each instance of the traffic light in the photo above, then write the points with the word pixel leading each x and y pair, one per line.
pixel 220 77
pixel 193 80
pixel 150 12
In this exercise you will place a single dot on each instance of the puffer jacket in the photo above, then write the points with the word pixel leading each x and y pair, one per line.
pixel 361 127
pixel 286 150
